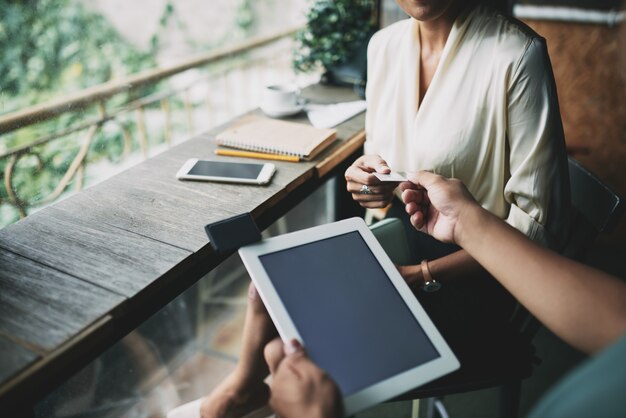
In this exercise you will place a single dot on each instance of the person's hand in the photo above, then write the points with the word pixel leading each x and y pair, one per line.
pixel 300 389
pixel 360 174
pixel 435 204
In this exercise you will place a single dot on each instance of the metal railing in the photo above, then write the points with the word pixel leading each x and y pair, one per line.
pixel 187 97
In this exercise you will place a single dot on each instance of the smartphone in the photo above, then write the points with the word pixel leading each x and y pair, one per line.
pixel 225 171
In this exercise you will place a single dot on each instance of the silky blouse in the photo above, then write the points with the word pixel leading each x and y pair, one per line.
pixel 490 117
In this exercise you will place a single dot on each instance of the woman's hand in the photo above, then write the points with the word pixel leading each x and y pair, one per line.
pixel 360 173
pixel 300 389
pixel 435 204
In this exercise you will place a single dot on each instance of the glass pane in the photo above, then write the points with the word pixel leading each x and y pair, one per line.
pixel 181 352
pixel 55 51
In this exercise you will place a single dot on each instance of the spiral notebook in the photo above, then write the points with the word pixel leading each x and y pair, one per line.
pixel 277 137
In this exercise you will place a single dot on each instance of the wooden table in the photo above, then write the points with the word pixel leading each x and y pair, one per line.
pixel 77 276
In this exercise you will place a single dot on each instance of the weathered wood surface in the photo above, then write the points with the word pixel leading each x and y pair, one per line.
pixel 74 274
pixel 148 200
pixel 95 252
pixel 43 307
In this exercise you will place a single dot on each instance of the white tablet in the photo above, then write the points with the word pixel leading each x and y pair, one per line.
pixel 333 288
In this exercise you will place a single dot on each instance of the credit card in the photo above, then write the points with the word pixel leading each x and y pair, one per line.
pixel 394 176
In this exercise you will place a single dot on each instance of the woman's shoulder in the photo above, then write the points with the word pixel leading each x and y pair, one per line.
pixel 493 21
pixel 389 36
pixel 509 38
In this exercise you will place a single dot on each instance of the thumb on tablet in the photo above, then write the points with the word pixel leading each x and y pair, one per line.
pixel 298 361
pixel 274 354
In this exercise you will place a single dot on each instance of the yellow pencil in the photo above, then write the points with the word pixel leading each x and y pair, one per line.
pixel 261 155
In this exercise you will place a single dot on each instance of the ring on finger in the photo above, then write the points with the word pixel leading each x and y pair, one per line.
pixel 365 189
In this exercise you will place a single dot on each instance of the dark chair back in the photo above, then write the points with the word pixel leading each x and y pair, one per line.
pixel 596 209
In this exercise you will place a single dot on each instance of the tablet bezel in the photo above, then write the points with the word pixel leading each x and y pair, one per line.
pixel 385 389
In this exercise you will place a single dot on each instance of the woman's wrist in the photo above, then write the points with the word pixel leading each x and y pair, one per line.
pixel 429 283
pixel 420 276
pixel 412 275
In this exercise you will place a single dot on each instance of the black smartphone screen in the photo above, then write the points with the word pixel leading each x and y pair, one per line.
pixel 226 169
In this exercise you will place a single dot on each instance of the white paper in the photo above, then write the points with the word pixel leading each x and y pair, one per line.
pixel 328 116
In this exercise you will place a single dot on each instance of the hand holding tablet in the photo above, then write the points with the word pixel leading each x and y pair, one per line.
pixel 334 288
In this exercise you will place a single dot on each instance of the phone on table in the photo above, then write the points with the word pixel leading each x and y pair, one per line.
pixel 226 171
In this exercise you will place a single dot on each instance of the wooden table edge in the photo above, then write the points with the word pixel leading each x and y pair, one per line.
pixel 30 384
pixel 347 148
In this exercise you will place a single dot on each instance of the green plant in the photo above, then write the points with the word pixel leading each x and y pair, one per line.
pixel 52 46
pixel 334 29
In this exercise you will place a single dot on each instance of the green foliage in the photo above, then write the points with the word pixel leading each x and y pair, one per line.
pixel 48 44
pixel 244 16
pixel 53 47
pixel 333 30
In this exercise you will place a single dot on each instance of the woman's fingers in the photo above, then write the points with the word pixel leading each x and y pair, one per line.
pixel 374 204
pixel 254 300
pixel 360 171
pixel 365 188
pixel 379 195
pixel 374 189
pixel 358 175
pixel 366 198
pixel 371 163
pixel 274 354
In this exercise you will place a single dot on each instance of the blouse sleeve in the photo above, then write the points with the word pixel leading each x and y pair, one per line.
pixel 538 189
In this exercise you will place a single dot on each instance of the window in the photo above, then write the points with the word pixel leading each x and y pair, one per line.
pixel 77 104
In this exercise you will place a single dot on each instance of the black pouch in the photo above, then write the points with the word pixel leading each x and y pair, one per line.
pixel 230 234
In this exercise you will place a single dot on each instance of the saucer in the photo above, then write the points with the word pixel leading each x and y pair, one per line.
pixel 282 112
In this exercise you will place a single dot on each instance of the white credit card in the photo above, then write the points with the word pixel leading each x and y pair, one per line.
pixel 395 176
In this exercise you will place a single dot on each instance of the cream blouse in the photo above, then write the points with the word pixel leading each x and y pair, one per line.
pixel 489 118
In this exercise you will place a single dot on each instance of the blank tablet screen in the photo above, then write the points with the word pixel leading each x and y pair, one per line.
pixel 351 318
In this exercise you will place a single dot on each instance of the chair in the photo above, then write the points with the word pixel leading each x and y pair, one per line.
pixel 392 237
pixel 597 210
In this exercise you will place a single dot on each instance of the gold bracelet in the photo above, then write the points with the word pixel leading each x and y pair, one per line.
pixel 430 284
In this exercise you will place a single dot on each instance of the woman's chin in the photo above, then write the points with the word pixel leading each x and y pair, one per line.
pixel 425 10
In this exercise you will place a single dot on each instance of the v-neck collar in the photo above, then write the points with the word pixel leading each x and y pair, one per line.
pixel 456 33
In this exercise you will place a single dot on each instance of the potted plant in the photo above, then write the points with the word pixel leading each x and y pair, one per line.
pixel 336 38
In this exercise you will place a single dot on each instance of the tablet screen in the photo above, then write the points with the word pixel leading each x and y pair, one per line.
pixel 350 316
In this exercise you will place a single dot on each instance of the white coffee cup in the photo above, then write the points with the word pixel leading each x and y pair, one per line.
pixel 281 98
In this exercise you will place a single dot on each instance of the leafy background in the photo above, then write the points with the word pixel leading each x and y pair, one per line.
pixel 334 28
pixel 51 48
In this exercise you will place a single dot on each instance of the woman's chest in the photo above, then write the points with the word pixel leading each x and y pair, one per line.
pixel 462 115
